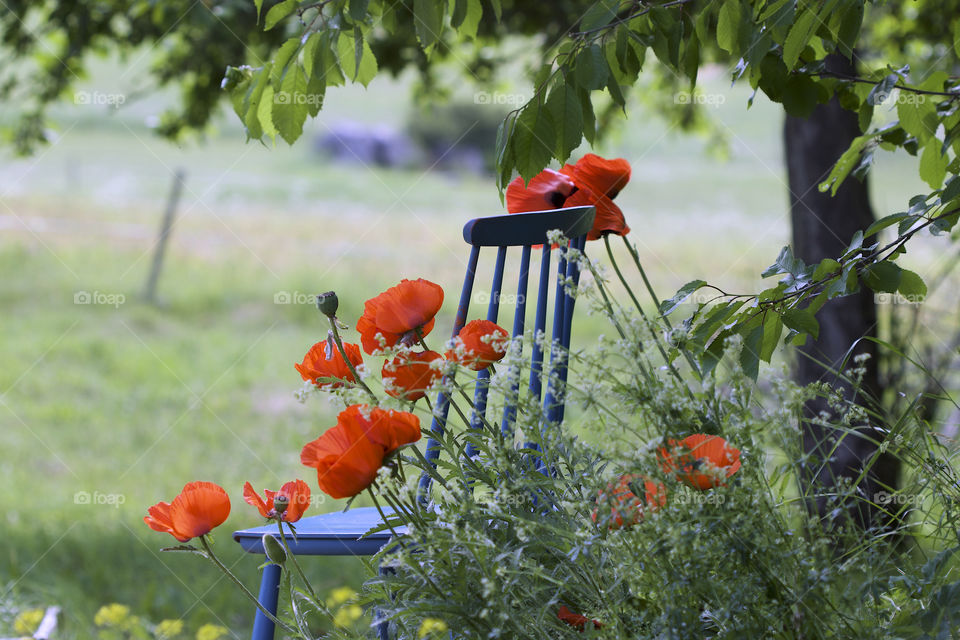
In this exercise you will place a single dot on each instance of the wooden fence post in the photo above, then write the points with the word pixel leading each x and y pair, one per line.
pixel 166 227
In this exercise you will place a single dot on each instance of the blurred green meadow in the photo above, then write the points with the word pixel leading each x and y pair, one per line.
pixel 109 406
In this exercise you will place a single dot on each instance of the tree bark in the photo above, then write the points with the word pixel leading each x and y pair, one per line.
pixel 822 228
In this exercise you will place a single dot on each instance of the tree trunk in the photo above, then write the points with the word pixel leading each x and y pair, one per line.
pixel 822 228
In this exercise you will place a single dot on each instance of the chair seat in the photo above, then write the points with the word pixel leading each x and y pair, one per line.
pixel 329 534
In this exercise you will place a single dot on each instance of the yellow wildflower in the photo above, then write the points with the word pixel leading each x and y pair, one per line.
pixel 429 626
pixel 211 632
pixel 28 621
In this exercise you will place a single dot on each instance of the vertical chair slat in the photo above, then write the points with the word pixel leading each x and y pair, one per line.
pixel 519 318
pixel 550 398
pixel 443 402
pixel 539 329
pixel 479 412
pixel 573 274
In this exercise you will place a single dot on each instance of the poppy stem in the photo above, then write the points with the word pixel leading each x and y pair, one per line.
pixel 353 370
pixel 293 557
pixel 215 560
pixel 646 320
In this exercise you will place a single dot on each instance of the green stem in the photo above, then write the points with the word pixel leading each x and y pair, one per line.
pixel 646 320
pixel 643 274
pixel 215 560
pixel 293 557
pixel 343 353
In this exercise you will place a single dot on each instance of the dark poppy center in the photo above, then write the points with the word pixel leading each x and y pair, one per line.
pixel 557 199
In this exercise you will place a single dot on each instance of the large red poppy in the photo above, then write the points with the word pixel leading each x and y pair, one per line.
pixel 408 376
pixel 348 455
pixel 402 313
pixel 295 495
pixel 479 344
pixel 620 504
pixel 200 507
pixel 597 181
pixel 317 364
pixel 700 461
pixel 345 459
pixel 548 189
pixel 387 428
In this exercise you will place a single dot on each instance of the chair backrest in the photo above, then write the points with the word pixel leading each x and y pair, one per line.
pixel 523 230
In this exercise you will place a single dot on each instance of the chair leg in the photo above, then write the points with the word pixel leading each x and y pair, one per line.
pixel 269 595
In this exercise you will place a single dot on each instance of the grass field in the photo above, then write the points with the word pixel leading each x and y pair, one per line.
pixel 124 403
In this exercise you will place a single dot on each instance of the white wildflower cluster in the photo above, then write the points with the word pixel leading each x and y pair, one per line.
pixel 555 236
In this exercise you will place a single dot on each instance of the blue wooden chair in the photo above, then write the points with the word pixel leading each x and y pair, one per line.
pixel 343 533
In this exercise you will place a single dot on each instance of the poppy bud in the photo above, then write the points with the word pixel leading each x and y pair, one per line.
pixel 274 549
pixel 280 503
pixel 328 303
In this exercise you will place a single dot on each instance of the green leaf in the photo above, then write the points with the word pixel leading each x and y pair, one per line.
pixel 503 151
pixel 856 244
pixel 497 9
pixel 473 13
pixel 251 119
pixel 428 19
pixel 951 191
pixel 590 70
pixel 849 31
pixel 281 59
pixel 933 164
pixel 825 268
pixel 533 140
pixel 259 5
pixel 785 263
pixel 882 90
pixel 750 351
pixel 713 321
pixel 564 107
pixel 588 117
pixel 358 62
pixel 772 329
pixel 599 15
pixel 265 112
pixel 289 105
pixel 802 321
pixel 884 276
pixel 278 12
pixel 798 38
pixel 912 286
pixel 885 222
pixel 844 165
pixel 728 25
pixel 713 353
pixel 668 306
pixel 358 9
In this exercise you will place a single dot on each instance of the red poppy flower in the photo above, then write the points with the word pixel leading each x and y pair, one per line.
pixel 602 176
pixel 296 494
pixel 316 364
pixel 410 375
pixel 702 461
pixel 575 619
pixel 548 189
pixel 479 344
pixel 348 455
pixel 387 428
pixel 621 505
pixel 345 459
pixel 199 508
pixel 597 181
pixel 399 314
